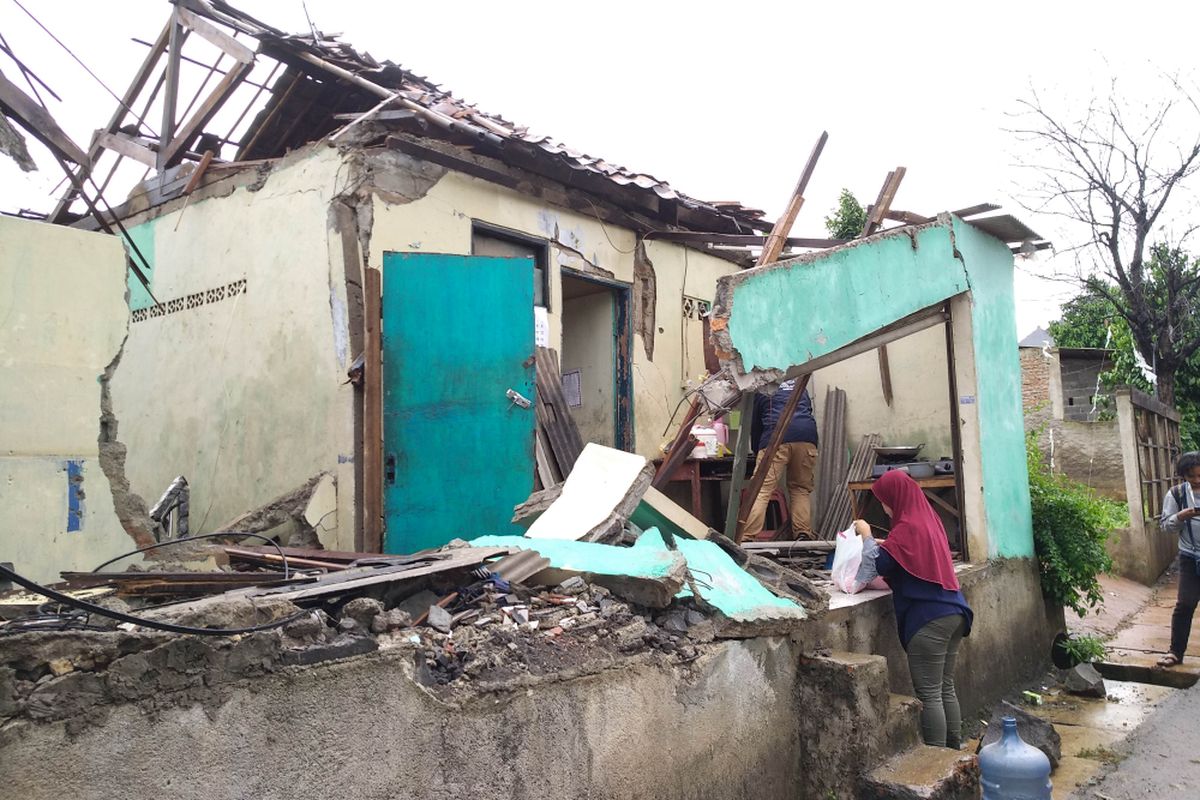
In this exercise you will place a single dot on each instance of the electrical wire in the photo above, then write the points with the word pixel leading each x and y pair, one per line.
pixel 121 616
pixel 287 572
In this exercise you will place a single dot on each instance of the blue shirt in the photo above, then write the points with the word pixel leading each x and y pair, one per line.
pixel 917 602
pixel 802 427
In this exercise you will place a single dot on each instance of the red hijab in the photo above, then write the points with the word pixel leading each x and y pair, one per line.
pixel 917 540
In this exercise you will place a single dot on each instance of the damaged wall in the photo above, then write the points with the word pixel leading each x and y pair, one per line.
pixel 440 219
pixel 62 302
pixel 236 380
pixel 784 315
pixel 634 729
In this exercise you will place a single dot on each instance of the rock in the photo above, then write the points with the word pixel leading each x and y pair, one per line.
pixel 1084 680
pixel 1034 730
pixel 415 606
pixel 632 634
pixel 61 666
pixel 572 585
pixel 308 628
pixel 347 625
pixel 390 621
pixel 704 631
pixel 362 610
pixel 694 617
pixel 439 619
pixel 675 622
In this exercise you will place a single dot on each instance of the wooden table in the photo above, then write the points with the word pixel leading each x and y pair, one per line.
pixel 697 471
pixel 928 486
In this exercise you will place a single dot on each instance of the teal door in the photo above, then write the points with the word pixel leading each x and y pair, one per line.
pixel 458 370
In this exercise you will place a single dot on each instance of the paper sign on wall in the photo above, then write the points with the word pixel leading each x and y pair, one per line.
pixel 541 326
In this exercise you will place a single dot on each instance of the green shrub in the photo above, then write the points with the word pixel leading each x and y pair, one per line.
pixel 1070 525
pixel 1085 649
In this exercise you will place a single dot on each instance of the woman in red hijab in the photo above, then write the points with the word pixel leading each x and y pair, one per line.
pixel 931 613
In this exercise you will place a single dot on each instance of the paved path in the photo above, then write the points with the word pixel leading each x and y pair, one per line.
pixel 1160 760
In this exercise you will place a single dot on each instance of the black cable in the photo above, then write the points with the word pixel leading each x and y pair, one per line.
pixel 287 572
pixel 121 616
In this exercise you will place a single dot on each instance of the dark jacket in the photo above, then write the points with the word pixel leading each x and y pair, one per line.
pixel 767 410
pixel 916 602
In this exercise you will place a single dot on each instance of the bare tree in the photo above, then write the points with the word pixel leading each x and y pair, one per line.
pixel 1124 175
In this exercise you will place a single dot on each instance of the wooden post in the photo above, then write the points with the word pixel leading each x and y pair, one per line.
pixel 783 226
pixel 663 475
pixel 875 217
pixel 741 450
pixel 372 447
pixel 768 453
pixel 167 132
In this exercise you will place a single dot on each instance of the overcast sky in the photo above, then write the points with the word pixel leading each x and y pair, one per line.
pixel 722 100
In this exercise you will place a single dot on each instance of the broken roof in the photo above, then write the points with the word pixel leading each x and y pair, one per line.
pixel 294 89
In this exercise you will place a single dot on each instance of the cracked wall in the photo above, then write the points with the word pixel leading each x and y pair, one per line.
pixel 237 379
pixel 64 318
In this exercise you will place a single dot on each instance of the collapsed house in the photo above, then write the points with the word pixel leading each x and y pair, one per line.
pixel 339 320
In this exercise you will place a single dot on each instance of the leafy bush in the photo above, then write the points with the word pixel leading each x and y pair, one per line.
pixel 1070 525
pixel 1085 649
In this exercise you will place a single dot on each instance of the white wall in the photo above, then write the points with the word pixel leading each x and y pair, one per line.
pixel 62 320
pixel 244 395
pixel 587 346
pixel 920 410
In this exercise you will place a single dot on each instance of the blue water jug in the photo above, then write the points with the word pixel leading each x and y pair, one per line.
pixel 1010 769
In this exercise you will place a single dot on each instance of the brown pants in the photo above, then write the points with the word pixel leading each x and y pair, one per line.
pixel 796 460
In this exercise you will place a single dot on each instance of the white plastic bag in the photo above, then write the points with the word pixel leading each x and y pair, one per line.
pixel 847 557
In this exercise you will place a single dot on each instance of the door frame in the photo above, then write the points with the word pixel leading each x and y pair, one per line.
pixel 622 294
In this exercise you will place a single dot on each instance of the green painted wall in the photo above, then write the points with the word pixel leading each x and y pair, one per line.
pixel 786 315
pixel 143 236
pixel 783 316
pixel 998 386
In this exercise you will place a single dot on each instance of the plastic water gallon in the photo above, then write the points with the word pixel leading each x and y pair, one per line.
pixel 1011 769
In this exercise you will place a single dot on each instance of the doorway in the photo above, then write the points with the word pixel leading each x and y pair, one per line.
pixel 596 370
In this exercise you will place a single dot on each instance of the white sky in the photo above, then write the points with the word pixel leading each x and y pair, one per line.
pixel 722 100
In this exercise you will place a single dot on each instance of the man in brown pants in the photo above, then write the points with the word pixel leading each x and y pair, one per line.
pixel 794 459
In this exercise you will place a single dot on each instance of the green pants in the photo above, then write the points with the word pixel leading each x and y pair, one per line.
pixel 931 656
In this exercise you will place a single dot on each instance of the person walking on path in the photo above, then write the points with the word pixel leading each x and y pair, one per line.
pixel 795 458
pixel 1179 516
pixel 931 613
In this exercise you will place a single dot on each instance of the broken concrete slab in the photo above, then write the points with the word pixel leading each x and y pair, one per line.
pixel 746 607
pixel 924 773
pixel 439 619
pixel 1033 729
pixel 604 488
pixel 646 577
pixel 1085 680
pixel 526 513
pixel 656 510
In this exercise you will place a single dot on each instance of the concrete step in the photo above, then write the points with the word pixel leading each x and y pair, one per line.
pixel 1130 665
pixel 924 773
pixel 902 730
